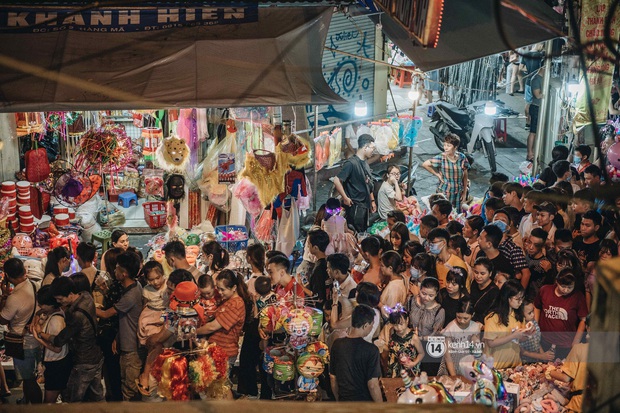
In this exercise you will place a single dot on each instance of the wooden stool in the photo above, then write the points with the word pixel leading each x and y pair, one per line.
pixel 104 237
pixel 501 129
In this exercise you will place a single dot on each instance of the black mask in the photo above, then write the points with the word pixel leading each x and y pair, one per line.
pixel 176 187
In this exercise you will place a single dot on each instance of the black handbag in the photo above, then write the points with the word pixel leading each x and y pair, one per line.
pixel 14 343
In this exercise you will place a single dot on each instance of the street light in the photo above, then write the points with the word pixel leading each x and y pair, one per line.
pixel 361 108
pixel 414 93
pixel 490 108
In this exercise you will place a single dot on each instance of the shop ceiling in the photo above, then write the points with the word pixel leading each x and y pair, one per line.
pixel 74 56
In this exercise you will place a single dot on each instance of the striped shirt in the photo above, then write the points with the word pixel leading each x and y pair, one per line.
pixel 231 316
pixel 514 254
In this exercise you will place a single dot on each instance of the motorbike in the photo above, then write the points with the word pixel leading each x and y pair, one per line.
pixel 474 127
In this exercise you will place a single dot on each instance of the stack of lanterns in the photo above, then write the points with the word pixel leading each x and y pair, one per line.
pixel 9 191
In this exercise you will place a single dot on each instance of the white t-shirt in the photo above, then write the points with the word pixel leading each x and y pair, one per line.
pixel 18 310
pixel 351 136
pixel 156 299
pixel 55 324
pixel 385 199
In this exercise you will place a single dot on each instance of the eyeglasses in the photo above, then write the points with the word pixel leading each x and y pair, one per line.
pixel 395 173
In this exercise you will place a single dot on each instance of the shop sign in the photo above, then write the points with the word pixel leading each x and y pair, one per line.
pixel 121 20
pixel 600 70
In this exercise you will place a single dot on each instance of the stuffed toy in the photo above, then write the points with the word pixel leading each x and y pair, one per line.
pixel 173 154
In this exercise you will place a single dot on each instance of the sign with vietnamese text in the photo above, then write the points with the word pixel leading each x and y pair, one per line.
pixel 600 69
pixel 121 20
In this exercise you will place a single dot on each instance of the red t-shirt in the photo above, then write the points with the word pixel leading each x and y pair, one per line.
pixel 288 290
pixel 231 316
pixel 560 316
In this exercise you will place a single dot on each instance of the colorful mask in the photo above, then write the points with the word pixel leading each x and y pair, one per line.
pixel 173 154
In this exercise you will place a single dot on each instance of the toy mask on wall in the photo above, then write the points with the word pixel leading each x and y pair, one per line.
pixel 172 154
pixel 176 187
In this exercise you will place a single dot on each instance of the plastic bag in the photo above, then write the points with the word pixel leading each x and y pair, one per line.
pixel 335 146
pixel 321 150
pixel 264 225
pixel 383 136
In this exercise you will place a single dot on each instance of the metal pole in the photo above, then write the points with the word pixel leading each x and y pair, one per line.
pixel 542 136
pixel 316 135
pixel 413 109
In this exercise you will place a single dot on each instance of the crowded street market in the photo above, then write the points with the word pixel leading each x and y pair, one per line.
pixel 407 202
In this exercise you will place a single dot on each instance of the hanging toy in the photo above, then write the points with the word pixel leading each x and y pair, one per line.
pixel 173 154
pixel 297 324
pixel 310 366
pixel 189 314
pixel 410 135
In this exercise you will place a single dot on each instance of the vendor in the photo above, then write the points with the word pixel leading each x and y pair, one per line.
pixel 120 239
pixel 389 192
pixel 226 328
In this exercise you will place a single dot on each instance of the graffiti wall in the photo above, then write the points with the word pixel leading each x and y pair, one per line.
pixel 348 76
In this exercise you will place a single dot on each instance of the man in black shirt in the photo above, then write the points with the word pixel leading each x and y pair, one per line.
pixel 355 366
pixel 489 240
pixel 354 183
pixel 540 266
pixel 587 244
pixel 318 240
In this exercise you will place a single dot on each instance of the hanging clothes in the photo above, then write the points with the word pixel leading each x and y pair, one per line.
pixel 288 229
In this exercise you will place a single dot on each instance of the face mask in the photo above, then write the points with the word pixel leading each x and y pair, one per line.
pixel 576 160
pixel 435 248
pixel 414 272
pixel 501 225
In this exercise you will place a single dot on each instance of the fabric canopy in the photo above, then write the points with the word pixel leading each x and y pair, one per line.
pixel 469 32
pixel 274 60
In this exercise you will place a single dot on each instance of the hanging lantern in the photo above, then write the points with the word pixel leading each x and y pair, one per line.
pixel 150 141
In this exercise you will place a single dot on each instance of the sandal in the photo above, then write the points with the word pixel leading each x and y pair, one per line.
pixel 145 391
pixel 5 394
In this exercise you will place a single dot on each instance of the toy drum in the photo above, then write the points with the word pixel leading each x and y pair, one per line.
pixel 8 186
pixel 71 214
pixel 26 228
pixel 23 187
pixel 59 209
pixel 62 220
pixel 283 369
pixel 317 322
pixel 25 210
pixel 26 220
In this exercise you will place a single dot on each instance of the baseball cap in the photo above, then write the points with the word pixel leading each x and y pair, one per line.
pixel 546 207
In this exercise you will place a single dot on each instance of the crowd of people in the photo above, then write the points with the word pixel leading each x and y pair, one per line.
pixel 512 280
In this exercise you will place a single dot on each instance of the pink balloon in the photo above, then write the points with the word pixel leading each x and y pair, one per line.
pixel 613 155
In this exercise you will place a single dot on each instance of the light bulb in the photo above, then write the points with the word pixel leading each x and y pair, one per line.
pixel 361 108
pixel 414 94
pixel 490 108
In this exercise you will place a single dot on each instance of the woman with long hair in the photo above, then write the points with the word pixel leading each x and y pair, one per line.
pixel 58 261
pixel 119 239
pixel 399 235
pixel 422 266
pixel 453 292
pixel 215 257
pixel 389 192
pixel 255 256
pixel 230 317
pixel 395 290
pixel 505 326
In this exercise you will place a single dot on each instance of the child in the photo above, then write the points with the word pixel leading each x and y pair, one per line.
pixel 56 360
pixel 395 291
pixel 500 279
pixel 86 254
pixel 265 296
pixel 422 266
pixel 505 326
pixel 462 337
pixel 341 240
pixel 426 316
pixel 154 300
pixel 531 350
pixel 403 345
pixel 209 297
pixel 326 329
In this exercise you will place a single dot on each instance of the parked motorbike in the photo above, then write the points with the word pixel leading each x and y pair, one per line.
pixel 473 125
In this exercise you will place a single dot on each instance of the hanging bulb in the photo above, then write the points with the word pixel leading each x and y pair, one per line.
pixel 361 108
pixel 490 108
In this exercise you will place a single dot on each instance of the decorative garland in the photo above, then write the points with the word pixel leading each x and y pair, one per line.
pixel 106 149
